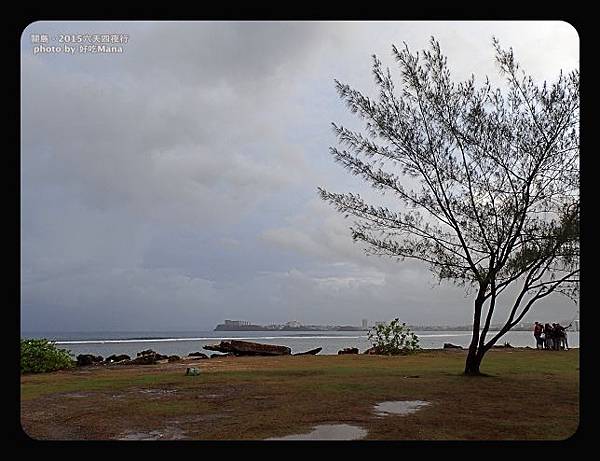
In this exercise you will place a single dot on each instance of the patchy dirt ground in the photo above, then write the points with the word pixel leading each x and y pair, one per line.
pixel 238 398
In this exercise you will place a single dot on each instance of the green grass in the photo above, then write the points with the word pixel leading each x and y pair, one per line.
pixel 260 397
pixel 35 389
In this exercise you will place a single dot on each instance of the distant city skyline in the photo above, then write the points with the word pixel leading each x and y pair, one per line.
pixel 244 324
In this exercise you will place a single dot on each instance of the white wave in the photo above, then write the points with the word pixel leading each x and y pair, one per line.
pixel 161 340
pixel 110 341
pixel 442 336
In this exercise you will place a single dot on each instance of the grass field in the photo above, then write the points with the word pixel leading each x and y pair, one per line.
pixel 242 398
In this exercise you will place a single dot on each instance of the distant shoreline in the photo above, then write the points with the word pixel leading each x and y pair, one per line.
pixel 331 342
pixel 261 328
pixel 344 328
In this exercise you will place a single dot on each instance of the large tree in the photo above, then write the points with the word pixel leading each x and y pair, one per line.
pixel 487 181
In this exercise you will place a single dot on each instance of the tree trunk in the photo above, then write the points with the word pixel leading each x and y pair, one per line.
pixel 473 363
pixel 474 357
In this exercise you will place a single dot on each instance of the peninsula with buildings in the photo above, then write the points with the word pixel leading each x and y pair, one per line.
pixel 294 325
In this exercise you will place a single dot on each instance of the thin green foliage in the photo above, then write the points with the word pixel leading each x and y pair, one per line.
pixel 393 338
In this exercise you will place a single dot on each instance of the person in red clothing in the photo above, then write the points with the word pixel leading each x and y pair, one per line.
pixel 538 329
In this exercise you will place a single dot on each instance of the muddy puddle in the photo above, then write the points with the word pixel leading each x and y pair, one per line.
pixel 399 407
pixel 328 432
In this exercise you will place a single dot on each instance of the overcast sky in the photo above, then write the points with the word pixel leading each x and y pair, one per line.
pixel 172 186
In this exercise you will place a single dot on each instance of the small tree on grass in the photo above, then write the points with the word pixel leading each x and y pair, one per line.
pixel 393 338
pixel 41 356
pixel 492 197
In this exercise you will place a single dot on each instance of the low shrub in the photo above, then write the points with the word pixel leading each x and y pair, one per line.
pixel 393 338
pixel 41 356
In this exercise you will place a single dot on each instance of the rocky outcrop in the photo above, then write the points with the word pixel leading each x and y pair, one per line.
pixel 146 352
pixel 116 358
pixel 144 360
pixel 88 359
pixel 348 350
pixel 216 356
pixel 174 358
pixel 147 357
pixel 451 346
pixel 373 351
pixel 198 355
pixel 242 348
pixel 311 352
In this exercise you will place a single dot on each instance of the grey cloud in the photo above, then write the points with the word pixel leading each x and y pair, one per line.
pixel 175 184
pixel 126 146
pixel 130 299
pixel 234 53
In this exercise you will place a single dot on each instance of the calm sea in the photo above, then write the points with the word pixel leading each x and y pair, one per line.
pixel 183 342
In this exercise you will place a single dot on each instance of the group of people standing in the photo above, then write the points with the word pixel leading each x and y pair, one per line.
pixel 550 336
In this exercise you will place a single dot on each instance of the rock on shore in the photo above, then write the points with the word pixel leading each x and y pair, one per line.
pixel 117 358
pixel 147 357
pixel 243 348
pixel 348 350
pixel 198 355
pixel 88 359
pixel 310 352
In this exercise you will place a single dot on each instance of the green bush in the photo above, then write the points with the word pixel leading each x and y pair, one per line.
pixel 393 338
pixel 41 355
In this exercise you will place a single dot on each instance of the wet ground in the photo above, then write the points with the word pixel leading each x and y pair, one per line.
pixel 306 398
pixel 329 432
pixel 399 407
pixel 349 432
pixel 169 434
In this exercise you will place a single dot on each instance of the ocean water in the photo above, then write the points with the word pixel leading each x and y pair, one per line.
pixel 183 342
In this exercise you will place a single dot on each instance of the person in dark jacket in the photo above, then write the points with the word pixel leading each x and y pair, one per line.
pixel 561 337
pixel 549 334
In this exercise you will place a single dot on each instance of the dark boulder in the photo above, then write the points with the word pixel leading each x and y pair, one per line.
pixel 216 356
pixel 147 357
pixel 146 352
pixel 240 348
pixel 150 352
pixel 451 346
pixel 311 352
pixel 348 350
pixel 198 355
pixel 117 358
pixel 88 359
pixel 174 358
pixel 372 351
